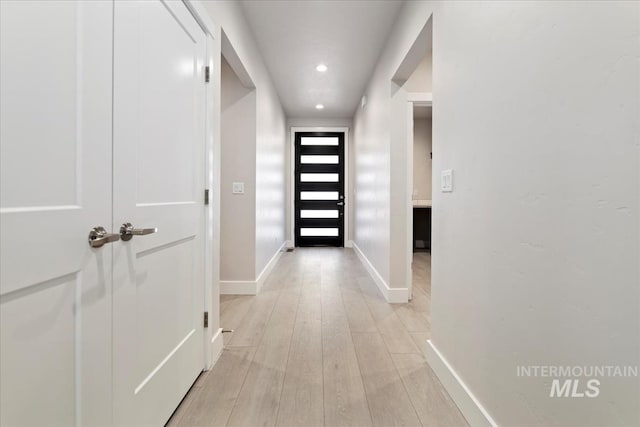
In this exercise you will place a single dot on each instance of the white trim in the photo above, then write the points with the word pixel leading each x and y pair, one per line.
pixel 212 167
pixel 348 243
pixel 237 287
pixel 392 295
pixel 292 176
pixel 251 287
pixel 469 405
pixel 201 16
pixel 266 271
pixel 288 244
pixel 422 99
pixel 216 346
pixel 409 199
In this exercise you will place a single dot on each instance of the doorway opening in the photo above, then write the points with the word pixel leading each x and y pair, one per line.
pixel 411 182
pixel 420 167
pixel 421 197
pixel 238 114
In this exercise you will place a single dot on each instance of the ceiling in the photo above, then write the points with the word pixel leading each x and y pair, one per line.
pixel 295 36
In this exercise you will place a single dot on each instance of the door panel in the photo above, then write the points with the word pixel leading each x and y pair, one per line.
pixel 319 189
pixel 159 155
pixel 55 291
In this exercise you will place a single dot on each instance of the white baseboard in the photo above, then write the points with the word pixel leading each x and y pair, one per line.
pixel 348 244
pixel 251 287
pixel 266 271
pixel 235 287
pixel 470 407
pixel 392 295
pixel 217 344
pixel 288 244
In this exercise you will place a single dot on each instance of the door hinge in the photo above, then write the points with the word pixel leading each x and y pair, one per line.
pixel 205 321
pixel 206 196
pixel 207 74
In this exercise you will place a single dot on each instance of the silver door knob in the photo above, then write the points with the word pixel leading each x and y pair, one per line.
pixel 98 236
pixel 340 203
pixel 127 231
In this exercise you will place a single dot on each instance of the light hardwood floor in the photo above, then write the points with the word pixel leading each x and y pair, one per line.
pixel 319 346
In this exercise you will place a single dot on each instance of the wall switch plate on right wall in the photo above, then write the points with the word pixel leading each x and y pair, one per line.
pixel 446 181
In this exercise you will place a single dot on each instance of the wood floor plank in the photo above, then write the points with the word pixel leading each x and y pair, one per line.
pixel 302 402
pixel 420 338
pixel 318 346
pixel 233 316
pixel 251 328
pixel 259 398
pixel 217 395
pixel 226 301
pixel 184 408
pixel 421 302
pixel 412 319
pixel 358 313
pixel 428 396
pixel 345 402
pixel 388 399
pixel 421 272
pixel 393 331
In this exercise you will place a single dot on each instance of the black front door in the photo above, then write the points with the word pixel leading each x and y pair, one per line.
pixel 319 189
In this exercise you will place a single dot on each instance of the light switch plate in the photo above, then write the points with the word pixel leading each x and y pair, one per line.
pixel 446 181
pixel 238 188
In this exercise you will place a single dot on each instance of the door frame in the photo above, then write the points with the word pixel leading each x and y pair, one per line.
pixel 292 180
pixel 212 334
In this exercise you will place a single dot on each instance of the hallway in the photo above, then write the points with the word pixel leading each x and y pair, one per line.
pixel 320 346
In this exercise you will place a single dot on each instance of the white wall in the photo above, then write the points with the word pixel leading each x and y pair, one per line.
pixel 422 159
pixel 536 251
pixel 420 79
pixel 270 135
pixel 238 152
pixel 371 130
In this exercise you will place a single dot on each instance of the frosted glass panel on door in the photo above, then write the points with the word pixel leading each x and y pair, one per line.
pixel 310 213
pixel 318 195
pixel 319 232
pixel 319 177
pixel 319 141
pixel 319 159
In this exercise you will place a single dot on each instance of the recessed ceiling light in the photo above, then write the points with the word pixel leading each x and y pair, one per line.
pixel 319 106
pixel 321 67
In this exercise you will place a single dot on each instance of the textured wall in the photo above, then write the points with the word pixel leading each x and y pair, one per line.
pixel 536 251
pixel 422 159
pixel 270 136
pixel 238 154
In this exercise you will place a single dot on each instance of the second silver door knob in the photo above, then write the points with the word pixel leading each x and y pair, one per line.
pixel 127 231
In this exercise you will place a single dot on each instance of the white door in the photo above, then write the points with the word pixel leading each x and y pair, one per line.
pixel 55 150
pixel 159 53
